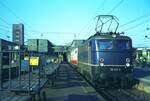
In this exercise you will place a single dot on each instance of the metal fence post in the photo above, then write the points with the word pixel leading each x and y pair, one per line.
pixel 10 69
pixel 29 76
pixel 39 78
pixel 1 81
pixel 19 62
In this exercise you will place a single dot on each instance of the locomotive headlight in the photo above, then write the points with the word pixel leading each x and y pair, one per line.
pixel 114 35
pixel 101 60
pixel 128 64
pixel 101 64
pixel 127 60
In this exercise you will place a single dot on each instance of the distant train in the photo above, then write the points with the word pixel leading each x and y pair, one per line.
pixel 74 56
pixel 142 57
pixel 105 59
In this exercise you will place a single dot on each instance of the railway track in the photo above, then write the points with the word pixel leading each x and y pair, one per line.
pixel 114 94
pixel 106 95
pixel 120 95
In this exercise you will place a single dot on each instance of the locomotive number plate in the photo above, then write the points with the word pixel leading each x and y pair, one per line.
pixel 114 69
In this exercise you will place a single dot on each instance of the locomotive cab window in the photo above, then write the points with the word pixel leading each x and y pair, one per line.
pixel 105 44
pixel 123 44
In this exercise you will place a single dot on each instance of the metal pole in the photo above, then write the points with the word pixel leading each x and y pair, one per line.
pixel 1 67
pixel 29 77
pixel 19 69
pixel 44 67
pixel 16 64
pixel 9 70
pixel 39 77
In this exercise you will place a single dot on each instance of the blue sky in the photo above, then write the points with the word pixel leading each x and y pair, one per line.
pixel 61 21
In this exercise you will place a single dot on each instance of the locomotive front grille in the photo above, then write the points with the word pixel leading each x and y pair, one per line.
pixel 117 68
pixel 115 65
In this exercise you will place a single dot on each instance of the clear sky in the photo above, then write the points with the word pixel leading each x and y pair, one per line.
pixel 61 21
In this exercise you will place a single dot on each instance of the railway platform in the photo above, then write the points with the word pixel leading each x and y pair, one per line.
pixel 142 75
pixel 27 86
pixel 70 86
pixel 9 96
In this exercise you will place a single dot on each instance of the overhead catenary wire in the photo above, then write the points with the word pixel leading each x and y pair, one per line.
pixel 137 25
pixel 11 11
pixel 92 18
pixel 115 7
pixel 14 14
pixel 50 32
pixel 91 29
pixel 139 31
pixel 5 35
pixel 29 27
pixel 136 19
pixel 5 29
pixel 3 20
pixel 4 26
pixel 17 17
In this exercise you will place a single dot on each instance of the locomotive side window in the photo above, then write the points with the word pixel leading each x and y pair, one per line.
pixel 105 44
pixel 123 44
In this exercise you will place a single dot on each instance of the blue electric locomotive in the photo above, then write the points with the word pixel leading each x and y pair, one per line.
pixel 105 59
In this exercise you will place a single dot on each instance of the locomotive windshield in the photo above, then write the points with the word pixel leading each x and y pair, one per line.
pixel 105 44
pixel 123 44
pixel 114 44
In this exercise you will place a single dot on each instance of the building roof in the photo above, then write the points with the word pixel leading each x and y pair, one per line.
pixel 77 43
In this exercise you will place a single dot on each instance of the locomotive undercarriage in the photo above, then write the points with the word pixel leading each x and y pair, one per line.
pixel 105 78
